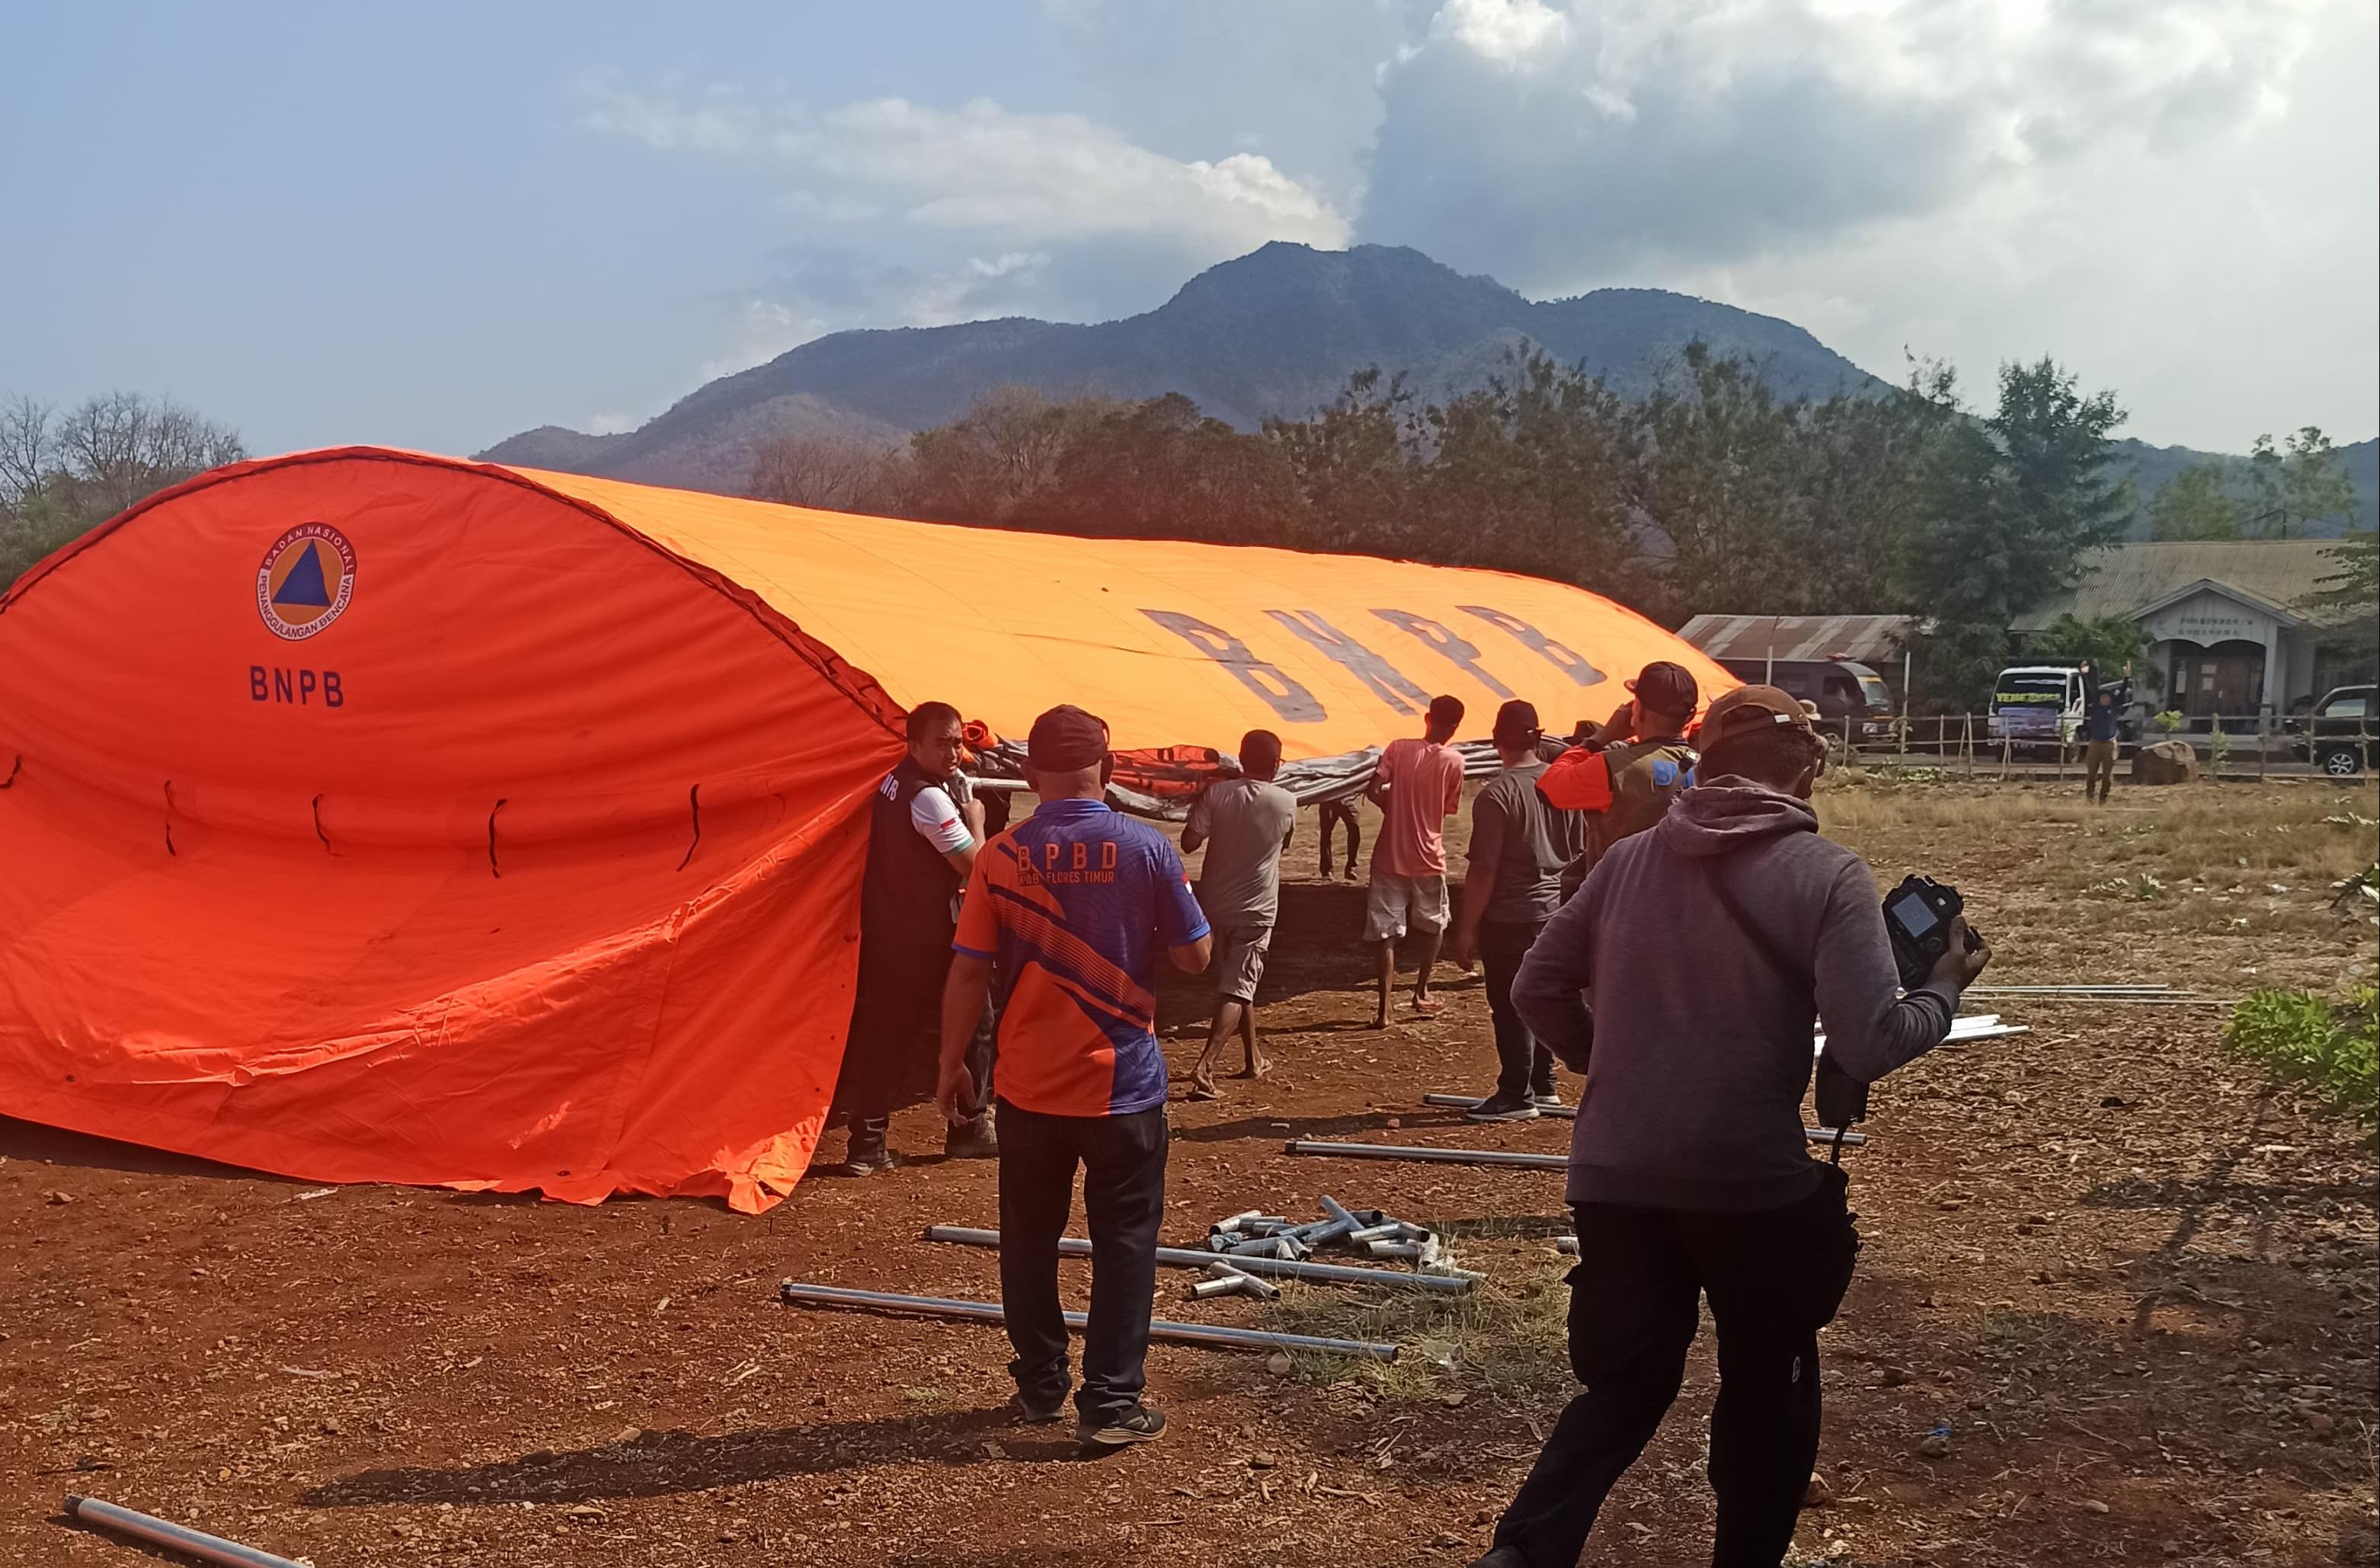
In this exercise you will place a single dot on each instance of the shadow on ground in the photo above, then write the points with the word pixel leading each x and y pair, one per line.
pixel 30 1140
pixel 660 1464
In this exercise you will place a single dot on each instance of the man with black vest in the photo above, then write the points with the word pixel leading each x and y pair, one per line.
pixel 924 829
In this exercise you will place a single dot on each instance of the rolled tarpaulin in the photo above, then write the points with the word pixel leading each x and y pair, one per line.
pixel 146 1527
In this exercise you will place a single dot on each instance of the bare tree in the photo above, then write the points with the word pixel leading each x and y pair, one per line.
pixel 834 472
pixel 60 476
pixel 27 450
pixel 122 447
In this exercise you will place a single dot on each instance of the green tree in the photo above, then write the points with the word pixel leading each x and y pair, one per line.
pixel 2197 503
pixel 2346 605
pixel 1530 474
pixel 1721 478
pixel 2008 508
pixel 1356 464
pixel 1160 469
pixel 2110 643
pixel 997 462
pixel 2296 485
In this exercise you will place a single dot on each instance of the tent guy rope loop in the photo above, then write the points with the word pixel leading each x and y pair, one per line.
pixel 13 769
pixel 694 803
pixel 317 826
pixel 493 869
pixel 169 820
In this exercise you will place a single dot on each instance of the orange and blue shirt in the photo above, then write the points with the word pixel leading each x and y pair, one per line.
pixel 1076 902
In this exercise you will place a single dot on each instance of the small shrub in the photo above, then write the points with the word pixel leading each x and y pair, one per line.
pixel 2218 746
pixel 2300 1038
pixel 2358 892
pixel 2168 723
pixel 2140 889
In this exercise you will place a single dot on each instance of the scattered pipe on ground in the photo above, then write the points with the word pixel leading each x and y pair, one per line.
pixel 796 1292
pixel 153 1531
pixel 1512 1157
pixel 1271 1268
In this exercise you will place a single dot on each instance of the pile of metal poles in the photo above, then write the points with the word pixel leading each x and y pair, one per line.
pixel 2135 995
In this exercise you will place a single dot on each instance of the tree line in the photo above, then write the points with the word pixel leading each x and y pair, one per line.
pixel 62 474
pixel 2277 492
pixel 1714 492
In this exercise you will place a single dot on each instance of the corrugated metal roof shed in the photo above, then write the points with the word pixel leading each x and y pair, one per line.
pixel 1867 640
pixel 2125 579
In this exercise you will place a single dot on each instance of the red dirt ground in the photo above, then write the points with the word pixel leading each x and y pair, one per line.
pixel 2149 1325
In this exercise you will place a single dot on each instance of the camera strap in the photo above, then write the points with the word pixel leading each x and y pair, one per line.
pixel 1799 976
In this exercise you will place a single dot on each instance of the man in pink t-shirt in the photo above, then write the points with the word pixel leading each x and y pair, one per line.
pixel 1418 786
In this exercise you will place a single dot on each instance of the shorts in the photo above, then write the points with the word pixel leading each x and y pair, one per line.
pixel 1392 899
pixel 1239 960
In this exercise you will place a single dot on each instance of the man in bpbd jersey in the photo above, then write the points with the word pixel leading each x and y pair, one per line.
pixel 1075 904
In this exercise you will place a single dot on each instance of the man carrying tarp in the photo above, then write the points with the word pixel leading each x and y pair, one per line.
pixel 924 829
pixel 1243 824
pixel 1625 775
pixel 1418 786
pixel 1520 842
pixel 1074 903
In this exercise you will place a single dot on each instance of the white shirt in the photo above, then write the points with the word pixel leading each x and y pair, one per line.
pixel 936 818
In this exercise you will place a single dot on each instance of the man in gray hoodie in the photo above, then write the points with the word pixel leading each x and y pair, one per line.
pixel 1684 981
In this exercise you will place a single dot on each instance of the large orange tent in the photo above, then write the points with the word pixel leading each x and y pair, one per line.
pixel 377 816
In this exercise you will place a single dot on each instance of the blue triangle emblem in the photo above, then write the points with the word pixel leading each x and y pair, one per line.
pixel 304 584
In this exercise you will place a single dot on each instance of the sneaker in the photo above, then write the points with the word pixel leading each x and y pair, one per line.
pixel 1502 1557
pixel 972 1139
pixel 1503 1107
pixel 1030 1410
pixel 1140 1424
pixel 1544 1100
pixel 868 1161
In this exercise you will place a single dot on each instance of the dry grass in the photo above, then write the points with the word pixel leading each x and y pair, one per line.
pixel 1505 1336
pixel 2214 886
pixel 2220 888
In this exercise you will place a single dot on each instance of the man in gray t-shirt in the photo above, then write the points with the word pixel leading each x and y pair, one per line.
pixel 1244 824
pixel 1520 842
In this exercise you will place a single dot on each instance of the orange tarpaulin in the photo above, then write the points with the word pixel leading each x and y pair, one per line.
pixel 372 816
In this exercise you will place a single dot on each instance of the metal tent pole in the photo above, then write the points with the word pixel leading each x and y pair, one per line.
pixel 1512 1157
pixel 1279 1268
pixel 153 1531
pixel 794 1291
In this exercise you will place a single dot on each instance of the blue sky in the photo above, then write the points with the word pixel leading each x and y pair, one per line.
pixel 434 225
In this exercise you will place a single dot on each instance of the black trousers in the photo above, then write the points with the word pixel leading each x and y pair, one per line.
pixel 1524 1066
pixel 1122 1161
pixel 1774 1279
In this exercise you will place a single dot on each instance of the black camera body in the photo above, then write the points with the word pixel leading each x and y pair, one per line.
pixel 1919 917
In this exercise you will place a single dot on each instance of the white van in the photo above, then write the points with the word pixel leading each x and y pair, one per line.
pixel 2036 705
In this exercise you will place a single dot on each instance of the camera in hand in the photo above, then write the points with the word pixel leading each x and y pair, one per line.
pixel 1919 915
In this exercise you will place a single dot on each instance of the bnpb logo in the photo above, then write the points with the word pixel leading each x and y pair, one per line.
pixel 306 581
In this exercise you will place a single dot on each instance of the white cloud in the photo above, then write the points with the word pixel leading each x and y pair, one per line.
pixel 1513 33
pixel 1541 143
pixel 2221 293
pixel 909 215
pixel 764 329
pixel 1036 178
